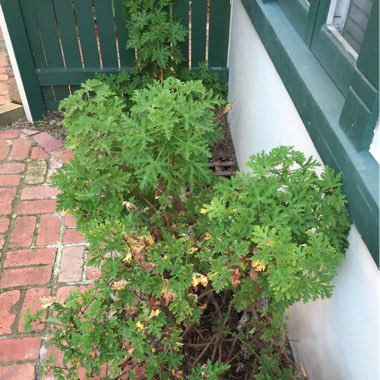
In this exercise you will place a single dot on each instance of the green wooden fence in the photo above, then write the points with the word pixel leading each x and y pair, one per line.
pixel 58 44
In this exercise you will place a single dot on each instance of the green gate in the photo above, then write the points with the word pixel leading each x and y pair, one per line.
pixel 59 44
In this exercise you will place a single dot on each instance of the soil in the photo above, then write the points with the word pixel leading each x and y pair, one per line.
pixel 223 160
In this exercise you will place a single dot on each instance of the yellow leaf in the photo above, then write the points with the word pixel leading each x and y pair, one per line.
pixel 207 236
pixel 49 301
pixel 154 313
pixel 258 265
pixel 128 257
pixel 149 240
pixel 139 326
pixel 203 280
pixel 118 285
pixel 203 211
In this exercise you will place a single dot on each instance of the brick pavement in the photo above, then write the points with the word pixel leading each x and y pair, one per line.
pixel 41 252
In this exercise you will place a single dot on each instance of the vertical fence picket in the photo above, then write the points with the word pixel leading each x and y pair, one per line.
pixel 181 11
pixel 219 32
pixel 198 31
pixel 126 55
pixel 30 21
pixel 49 33
pixel 66 44
pixel 106 33
pixel 31 24
pixel 87 37
pixel 67 32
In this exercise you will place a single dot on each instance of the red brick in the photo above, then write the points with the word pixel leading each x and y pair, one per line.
pixel 65 155
pixel 103 374
pixel 32 301
pixel 19 349
pixel 10 134
pixel 39 192
pixel 2 241
pixel 72 236
pixel 93 273
pixel 64 291
pixel 20 149
pixel 4 223
pixel 70 221
pixel 6 198
pixel 4 148
pixel 38 152
pixel 71 264
pixel 55 163
pixel 47 141
pixel 17 372
pixel 9 180
pixel 26 276
pixel 36 207
pixel 48 230
pixel 22 234
pixel 12 168
pixel 29 132
pixel 25 257
pixel 56 355
pixel 7 316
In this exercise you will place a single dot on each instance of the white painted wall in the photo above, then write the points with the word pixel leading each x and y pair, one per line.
pixel 335 339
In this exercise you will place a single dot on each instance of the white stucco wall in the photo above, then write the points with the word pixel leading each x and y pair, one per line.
pixel 335 339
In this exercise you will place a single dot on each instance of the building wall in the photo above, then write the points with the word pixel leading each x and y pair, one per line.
pixel 335 339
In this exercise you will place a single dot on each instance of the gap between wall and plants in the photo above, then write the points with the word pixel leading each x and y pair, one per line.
pixel 197 270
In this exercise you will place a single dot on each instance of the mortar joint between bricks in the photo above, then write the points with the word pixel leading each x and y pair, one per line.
pixel 12 219
pixel 58 258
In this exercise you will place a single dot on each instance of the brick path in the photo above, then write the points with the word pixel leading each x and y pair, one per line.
pixel 41 252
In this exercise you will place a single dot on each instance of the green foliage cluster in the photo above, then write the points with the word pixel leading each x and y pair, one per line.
pixel 183 253
pixel 155 36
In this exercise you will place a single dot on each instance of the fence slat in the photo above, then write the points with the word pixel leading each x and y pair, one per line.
pixel 22 51
pixel 61 40
pixel 60 92
pixel 30 20
pixel 67 31
pixel 126 55
pixel 49 35
pixel 106 32
pixel 37 48
pixel 219 32
pixel 198 31
pixel 181 11
pixel 48 31
pixel 86 28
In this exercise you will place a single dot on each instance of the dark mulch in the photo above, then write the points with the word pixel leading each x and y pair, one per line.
pixel 223 160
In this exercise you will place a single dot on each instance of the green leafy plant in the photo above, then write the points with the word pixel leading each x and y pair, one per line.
pixel 157 152
pixel 186 289
pixel 155 36
pixel 196 272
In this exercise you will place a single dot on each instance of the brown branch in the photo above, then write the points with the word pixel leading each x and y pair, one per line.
pixel 232 348
pixel 196 361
